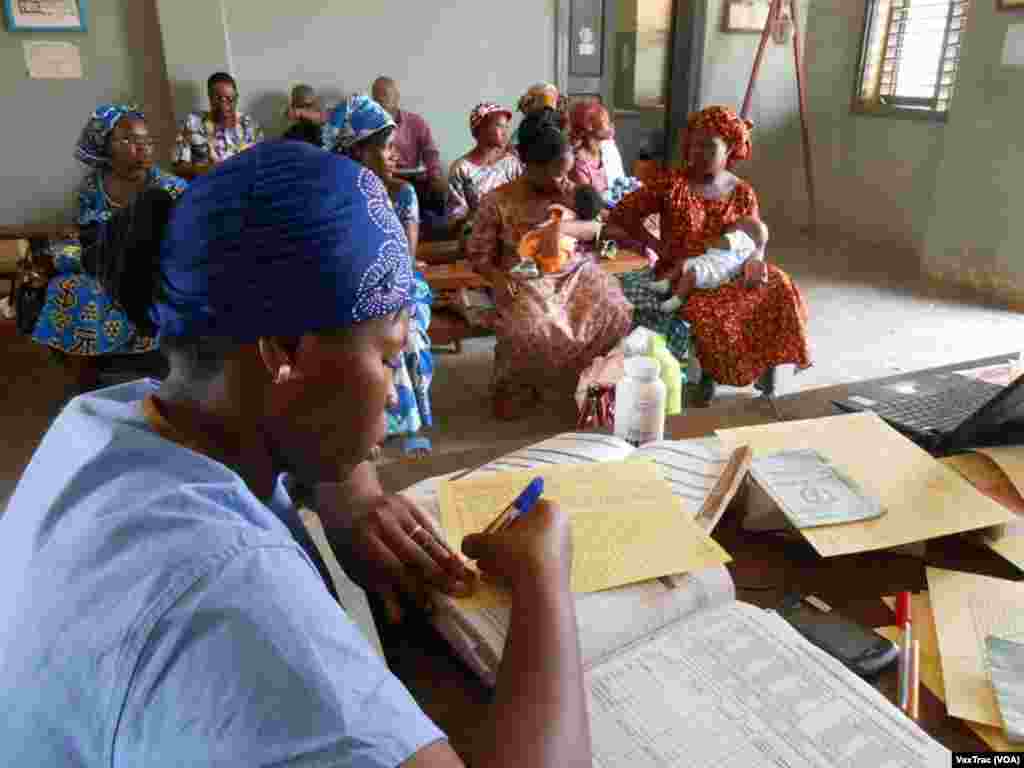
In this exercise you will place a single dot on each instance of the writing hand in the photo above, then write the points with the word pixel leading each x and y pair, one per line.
pixel 390 548
pixel 536 546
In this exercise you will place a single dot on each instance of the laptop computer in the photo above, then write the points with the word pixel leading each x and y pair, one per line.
pixel 945 412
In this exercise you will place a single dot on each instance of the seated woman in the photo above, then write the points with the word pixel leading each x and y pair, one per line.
pixel 208 138
pixel 155 565
pixel 746 327
pixel 362 130
pixel 484 168
pixel 598 161
pixel 550 328
pixel 79 320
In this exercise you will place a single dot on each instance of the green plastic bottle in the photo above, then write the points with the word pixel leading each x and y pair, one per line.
pixel 671 374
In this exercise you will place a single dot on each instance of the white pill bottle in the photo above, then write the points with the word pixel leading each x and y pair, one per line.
pixel 640 402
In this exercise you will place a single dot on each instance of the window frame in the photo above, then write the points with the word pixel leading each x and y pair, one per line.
pixel 907 108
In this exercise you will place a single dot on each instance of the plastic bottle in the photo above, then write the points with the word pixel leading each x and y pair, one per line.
pixel 671 374
pixel 640 402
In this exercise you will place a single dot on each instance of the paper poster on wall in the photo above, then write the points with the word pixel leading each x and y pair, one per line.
pixel 29 15
pixel 1013 48
pixel 52 60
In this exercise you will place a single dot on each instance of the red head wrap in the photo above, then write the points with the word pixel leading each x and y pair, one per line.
pixel 724 122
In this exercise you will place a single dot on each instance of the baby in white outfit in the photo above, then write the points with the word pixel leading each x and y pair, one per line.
pixel 719 264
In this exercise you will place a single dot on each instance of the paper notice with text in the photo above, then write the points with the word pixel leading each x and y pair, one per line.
pixel 52 60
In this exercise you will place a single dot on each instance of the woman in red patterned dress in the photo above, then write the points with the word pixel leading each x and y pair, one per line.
pixel 742 329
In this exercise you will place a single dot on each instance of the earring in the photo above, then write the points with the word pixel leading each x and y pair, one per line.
pixel 284 373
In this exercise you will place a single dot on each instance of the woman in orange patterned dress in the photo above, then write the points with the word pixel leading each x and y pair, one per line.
pixel 551 327
pixel 742 329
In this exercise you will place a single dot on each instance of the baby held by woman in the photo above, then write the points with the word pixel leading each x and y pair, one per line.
pixel 722 262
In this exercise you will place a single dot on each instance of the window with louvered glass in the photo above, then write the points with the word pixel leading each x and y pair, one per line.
pixel 910 56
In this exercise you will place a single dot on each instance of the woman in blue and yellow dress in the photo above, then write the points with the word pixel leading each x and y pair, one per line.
pixel 362 130
pixel 79 321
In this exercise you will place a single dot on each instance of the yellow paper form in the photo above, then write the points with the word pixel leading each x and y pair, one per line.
pixel 626 524
pixel 931 666
pixel 968 608
pixel 923 499
pixel 999 473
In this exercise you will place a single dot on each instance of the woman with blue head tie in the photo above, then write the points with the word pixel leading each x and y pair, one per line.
pixel 78 322
pixel 163 602
pixel 362 130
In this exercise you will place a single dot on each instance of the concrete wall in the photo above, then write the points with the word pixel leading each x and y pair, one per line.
pixel 876 175
pixel 975 236
pixel 193 52
pixel 447 55
pixel 122 60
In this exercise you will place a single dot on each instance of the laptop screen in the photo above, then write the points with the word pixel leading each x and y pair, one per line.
pixel 999 422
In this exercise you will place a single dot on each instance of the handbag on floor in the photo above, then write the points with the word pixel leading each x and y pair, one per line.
pixel 30 288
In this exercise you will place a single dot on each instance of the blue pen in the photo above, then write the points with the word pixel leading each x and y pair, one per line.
pixel 524 503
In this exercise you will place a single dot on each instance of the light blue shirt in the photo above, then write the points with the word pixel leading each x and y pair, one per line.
pixel 153 612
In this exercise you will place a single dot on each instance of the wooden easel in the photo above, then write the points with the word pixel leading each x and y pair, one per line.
pixel 801 78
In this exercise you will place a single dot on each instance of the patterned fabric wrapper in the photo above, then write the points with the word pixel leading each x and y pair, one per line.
pixel 552 327
pixel 482 110
pixel 283 239
pixel 724 122
pixel 92 148
pixel 354 120
pixel 414 370
pixel 79 317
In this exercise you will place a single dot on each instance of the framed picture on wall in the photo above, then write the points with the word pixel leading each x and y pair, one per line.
pixel 45 15
pixel 745 15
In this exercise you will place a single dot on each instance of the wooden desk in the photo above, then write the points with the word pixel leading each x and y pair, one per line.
pixel 765 567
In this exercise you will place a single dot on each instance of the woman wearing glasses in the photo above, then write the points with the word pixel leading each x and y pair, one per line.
pixel 79 321
pixel 208 138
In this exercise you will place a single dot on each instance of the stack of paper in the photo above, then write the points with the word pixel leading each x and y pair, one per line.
pixel 625 522
pixel 999 474
pixel 923 498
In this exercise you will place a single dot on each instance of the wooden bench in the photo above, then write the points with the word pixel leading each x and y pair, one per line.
pixel 446 325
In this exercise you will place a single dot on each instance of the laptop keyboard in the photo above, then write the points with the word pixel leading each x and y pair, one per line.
pixel 942 411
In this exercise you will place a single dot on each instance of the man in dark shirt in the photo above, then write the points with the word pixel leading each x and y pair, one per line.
pixel 304 101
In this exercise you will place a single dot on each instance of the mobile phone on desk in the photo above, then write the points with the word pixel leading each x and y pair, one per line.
pixel 861 650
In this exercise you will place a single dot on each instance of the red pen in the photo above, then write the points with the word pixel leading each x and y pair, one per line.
pixel 903 620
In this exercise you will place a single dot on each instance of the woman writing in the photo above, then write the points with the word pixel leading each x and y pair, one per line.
pixel 484 168
pixel 79 320
pixel 742 329
pixel 362 130
pixel 159 572
pixel 550 328
pixel 208 138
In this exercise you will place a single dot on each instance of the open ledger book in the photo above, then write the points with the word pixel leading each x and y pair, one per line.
pixel 688 675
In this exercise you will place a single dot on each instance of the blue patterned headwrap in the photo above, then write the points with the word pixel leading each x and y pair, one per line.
pixel 281 240
pixel 92 148
pixel 354 120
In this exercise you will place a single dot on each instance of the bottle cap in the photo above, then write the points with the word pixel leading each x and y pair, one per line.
pixel 643 368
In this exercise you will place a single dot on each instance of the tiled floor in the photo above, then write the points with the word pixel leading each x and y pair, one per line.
pixel 868 318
